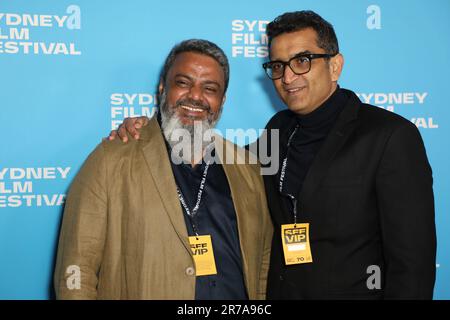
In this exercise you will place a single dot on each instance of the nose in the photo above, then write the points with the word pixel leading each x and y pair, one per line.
pixel 289 76
pixel 196 93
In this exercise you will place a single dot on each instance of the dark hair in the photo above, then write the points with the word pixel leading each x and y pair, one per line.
pixel 199 46
pixel 299 20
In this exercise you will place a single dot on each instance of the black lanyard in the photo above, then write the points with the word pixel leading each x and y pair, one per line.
pixel 192 213
pixel 283 173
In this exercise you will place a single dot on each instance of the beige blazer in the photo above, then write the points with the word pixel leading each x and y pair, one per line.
pixel 123 227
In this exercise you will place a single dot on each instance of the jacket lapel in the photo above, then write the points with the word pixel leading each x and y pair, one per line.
pixel 342 130
pixel 229 153
pixel 157 159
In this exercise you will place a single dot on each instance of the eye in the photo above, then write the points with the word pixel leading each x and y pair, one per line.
pixel 276 66
pixel 302 60
pixel 181 83
pixel 211 89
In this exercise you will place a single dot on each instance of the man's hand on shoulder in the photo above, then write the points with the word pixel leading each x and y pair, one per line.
pixel 130 126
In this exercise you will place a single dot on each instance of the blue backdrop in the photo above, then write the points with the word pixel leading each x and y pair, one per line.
pixel 70 70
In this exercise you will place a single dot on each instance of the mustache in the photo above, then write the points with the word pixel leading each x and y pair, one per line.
pixel 194 103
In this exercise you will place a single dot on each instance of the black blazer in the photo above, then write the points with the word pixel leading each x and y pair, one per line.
pixel 368 197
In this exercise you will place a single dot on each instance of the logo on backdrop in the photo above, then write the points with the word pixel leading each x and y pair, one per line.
pixel 124 105
pixel 30 33
pixel 399 101
pixel 18 186
pixel 249 39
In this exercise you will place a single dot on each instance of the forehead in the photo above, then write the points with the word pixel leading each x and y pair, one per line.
pixel 196 65
pixel 287 45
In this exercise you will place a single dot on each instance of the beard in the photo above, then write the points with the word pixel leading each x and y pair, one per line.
pixel 187 142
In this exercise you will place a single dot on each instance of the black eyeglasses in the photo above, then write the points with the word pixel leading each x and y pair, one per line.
pixel 299 64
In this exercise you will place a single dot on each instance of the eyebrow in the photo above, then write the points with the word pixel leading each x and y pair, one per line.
pixel 296 54
pixel 191 79
pixel 183 76
pixel 301 53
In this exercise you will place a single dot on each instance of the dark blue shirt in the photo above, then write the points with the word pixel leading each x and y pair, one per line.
pixel 216 217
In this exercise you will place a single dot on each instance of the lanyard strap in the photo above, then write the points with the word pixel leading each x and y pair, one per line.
pixel 283 173
pixel 192 213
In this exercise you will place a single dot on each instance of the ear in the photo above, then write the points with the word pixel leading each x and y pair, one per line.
pixel 160 87
pixel 336 65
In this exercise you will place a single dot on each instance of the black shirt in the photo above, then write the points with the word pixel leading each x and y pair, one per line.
pixel 216 216
pixel 313 129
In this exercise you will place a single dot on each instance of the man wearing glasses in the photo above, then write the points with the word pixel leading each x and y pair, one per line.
pixel 352 203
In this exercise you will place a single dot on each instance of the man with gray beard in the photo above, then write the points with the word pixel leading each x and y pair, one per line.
pixel 175 214
pixel 191 139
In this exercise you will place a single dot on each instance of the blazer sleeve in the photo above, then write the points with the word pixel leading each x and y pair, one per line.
pixel 83 230
pixel 267 244
pixel 404 187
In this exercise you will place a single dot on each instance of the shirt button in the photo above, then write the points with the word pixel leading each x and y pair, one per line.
pixel 190 271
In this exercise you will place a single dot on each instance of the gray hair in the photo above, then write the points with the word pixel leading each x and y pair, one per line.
pixel 199 46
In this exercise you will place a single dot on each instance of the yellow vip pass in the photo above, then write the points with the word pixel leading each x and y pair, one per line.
pixel 296 247
pixel 202 250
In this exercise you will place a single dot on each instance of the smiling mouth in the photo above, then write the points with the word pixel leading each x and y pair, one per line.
pixel 191 109
pixel 294 90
